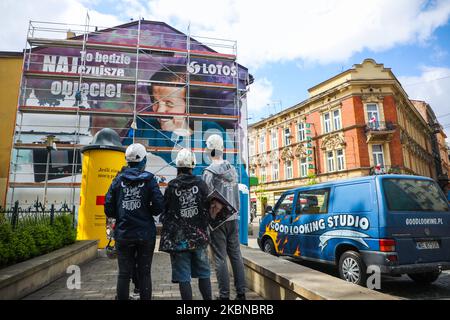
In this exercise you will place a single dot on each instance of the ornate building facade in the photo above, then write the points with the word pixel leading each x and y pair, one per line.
pixel 357 123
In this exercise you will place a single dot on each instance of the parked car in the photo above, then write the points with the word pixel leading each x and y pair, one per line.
pixel 399 223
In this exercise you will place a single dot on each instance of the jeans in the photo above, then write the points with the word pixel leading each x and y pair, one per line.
pixel 190 264
pixel 225 242
pixel 129 254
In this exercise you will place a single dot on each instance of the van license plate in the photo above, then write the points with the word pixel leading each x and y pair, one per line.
pixel 424 245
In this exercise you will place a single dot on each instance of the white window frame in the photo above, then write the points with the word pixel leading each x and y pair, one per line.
pixel 340 160
pixel 330 161
pixel 289 173
pixel 252 147
pixel 303 167
pixel 262 144
pixel 287 137
pixel 263 174
pixel 275 171
pixel 301 136
pixel 337 119
pixel 375 155
pixel 371 113
pixel 327 124
pixel 274 139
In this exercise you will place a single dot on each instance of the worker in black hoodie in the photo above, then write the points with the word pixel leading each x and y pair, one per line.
pixel 185 228
pixel 133 199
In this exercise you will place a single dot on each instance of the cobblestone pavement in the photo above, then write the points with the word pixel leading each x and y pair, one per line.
pixel 99 278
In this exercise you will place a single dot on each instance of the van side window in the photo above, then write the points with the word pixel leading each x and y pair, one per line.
pixel 313 201
pixel 284 206
pixel 353 198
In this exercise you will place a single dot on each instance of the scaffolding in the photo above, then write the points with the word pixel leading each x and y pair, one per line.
pixel 98 81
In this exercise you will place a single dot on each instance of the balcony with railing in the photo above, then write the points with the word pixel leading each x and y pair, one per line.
pixel 380 131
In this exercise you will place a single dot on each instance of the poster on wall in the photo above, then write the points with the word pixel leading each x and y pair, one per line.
pixel 104 85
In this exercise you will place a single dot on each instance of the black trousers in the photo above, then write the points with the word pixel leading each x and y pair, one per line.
pixel 132 254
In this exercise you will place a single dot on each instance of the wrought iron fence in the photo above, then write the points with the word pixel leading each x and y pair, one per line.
pixel 35 214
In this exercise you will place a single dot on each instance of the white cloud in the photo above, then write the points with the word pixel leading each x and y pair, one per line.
pixel 259 96
pixel 17 14
pixel 431 86
pixel 319 31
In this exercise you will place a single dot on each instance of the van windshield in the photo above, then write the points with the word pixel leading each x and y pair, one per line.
pixel 413 195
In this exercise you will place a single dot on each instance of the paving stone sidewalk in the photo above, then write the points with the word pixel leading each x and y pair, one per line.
pixel 99 278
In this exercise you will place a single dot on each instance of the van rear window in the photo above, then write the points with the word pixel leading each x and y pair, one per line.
pixel 413 195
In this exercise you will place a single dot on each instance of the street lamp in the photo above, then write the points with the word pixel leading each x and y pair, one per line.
pixel 50 144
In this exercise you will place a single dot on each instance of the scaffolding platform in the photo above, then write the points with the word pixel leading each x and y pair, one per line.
pixel 78 79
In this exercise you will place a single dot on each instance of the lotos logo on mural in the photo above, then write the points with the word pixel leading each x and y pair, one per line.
pixel 212 68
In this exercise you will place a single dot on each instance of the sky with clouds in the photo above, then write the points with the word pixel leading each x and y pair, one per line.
pixel 288 45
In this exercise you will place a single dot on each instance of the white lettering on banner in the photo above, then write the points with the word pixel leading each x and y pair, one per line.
pixel 94 89
pixel 211 68
pixel 333 222
pixel 422 221
pixel 65 64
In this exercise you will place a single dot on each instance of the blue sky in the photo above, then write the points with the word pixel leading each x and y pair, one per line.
pixel 290 45
pixel 291 80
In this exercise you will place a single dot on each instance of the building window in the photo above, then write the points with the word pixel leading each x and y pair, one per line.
pixel 262 144
pixel 301 132
pixel 275 171
pixel 252 147
pixel 332 121
pixel 373 116
pixel 327 122
pixel 287 136
pixel 337 119
pixel 274 139
pixel 303 167
pixel 330 161
pixel 263 174
pixel 378 156
pixel 288 170
pixel 340 159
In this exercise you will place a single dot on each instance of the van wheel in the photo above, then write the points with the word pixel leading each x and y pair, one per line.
pixel 269 247
pixel 425 277
pixel 352 268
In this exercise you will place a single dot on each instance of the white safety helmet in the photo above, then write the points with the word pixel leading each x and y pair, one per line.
pixel 136 152
pixel 214 142
pixel 185 159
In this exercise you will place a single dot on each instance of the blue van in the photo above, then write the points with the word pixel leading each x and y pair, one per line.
pixel 399 223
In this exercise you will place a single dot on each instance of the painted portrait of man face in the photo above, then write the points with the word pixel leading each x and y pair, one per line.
pixel 170 99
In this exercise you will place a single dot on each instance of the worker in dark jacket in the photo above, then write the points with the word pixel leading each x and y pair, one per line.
pixel 133 199
pixel 185 228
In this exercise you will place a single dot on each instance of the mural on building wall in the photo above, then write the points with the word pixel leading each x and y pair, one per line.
pixel 170 115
